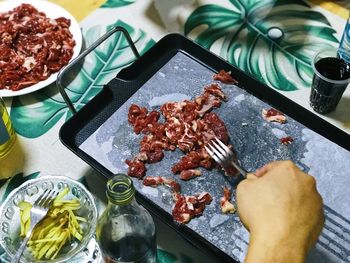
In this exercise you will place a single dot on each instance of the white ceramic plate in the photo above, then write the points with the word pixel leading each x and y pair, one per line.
pixel 52 11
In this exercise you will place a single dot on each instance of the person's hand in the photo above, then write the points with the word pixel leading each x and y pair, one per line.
pixel 283 212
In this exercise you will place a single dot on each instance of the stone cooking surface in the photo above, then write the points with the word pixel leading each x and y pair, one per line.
pixel 256 142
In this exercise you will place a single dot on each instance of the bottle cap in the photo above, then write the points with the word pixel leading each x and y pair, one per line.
pixel 120 189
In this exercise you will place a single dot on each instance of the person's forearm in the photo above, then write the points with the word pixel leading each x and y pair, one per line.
pixel 265 250
pixel 283 212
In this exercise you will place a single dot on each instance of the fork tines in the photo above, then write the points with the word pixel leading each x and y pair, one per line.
pixel 219 151
pixel 223 155
pixel 46 198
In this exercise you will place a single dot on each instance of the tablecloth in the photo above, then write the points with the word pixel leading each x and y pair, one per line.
pixel 273 40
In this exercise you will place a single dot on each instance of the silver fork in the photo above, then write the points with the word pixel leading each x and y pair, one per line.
pixel 223 155
pixel 37 212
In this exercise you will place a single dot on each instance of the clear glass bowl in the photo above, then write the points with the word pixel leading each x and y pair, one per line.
pixel 29 191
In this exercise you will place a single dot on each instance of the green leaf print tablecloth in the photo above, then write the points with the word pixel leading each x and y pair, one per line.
pixel 274 40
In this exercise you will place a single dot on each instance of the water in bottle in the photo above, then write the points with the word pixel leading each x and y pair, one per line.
pixel 125 231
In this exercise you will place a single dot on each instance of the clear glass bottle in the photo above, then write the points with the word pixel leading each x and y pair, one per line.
pixel 344 47
pixel 125 231
pixel 7 133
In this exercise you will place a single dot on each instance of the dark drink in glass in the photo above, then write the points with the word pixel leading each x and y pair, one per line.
pixel 331 77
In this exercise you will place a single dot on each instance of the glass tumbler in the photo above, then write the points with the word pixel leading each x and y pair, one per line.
pixel 331 78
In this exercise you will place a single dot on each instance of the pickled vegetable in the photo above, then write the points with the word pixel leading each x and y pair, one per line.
pixel 24 210
pixel 61 225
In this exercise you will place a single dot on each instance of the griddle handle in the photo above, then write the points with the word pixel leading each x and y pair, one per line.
pixel 83 54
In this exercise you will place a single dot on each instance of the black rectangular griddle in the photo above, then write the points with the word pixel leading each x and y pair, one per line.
pixel 137 78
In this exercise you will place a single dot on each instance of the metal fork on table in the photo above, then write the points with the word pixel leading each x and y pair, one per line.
pixel 223 155
pixel 37 212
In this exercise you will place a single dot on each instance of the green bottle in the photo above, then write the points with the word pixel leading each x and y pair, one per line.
pixel 7 133
pixel 125 231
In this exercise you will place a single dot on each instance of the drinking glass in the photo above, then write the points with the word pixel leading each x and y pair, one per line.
pixel 331 77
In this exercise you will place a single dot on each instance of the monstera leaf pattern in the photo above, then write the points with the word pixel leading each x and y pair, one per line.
pixel 117 3
pixel 165 257
pixel 85 81
pixel 273 40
